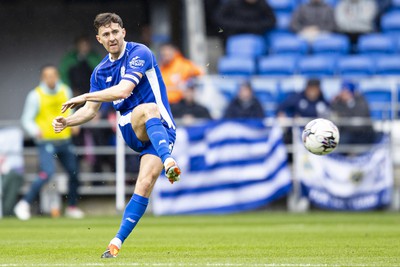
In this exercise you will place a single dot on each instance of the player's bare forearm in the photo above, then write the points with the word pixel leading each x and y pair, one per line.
pixel 85 114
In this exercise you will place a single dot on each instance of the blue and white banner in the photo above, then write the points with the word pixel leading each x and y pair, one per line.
pixel 347 183
pixel 227 166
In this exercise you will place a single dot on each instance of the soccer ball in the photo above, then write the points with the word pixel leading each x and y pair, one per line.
pixel 320 136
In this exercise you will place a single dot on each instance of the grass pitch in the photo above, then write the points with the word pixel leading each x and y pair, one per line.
pixel 252 239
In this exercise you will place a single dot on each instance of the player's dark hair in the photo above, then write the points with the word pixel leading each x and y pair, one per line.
pixel 48 65
pixel 105 19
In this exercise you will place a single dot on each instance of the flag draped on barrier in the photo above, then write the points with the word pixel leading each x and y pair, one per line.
pixel 227 166
pixel 347 183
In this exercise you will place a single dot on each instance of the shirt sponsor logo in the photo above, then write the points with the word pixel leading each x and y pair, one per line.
pixel 136 62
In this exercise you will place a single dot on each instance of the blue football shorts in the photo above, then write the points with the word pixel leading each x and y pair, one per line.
pixel 143 147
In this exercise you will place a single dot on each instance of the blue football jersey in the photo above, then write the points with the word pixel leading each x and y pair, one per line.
pixel 149 89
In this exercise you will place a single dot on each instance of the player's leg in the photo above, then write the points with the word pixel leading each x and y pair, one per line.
pixel 147 125
pixel 69 160
pixel 150 169
pixel 46 171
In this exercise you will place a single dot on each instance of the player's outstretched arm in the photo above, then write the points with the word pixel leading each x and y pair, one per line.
pixel 116 92
pixel 82 115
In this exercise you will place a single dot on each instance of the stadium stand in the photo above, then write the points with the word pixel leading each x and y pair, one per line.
pixel 388 65
pixel 390 22
pixel 282 5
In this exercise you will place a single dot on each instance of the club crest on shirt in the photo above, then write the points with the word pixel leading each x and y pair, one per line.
pixel 122 71
pixel 136 62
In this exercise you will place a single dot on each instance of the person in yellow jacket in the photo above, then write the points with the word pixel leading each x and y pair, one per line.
pixel 41 106
pixel 176 70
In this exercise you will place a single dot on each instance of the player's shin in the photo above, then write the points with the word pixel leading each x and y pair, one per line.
pixel 158 137
pixel 132 214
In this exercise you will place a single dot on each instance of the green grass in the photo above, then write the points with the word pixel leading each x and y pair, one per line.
pixel 254 239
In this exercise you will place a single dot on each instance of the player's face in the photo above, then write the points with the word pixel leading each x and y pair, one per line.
pixel 112 38
pixel 50 77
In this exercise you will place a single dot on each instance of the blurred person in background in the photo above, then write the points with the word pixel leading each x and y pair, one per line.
pixel 176 71
pixel 350 103
pixel 188 109
pixel 244 105
pixel 245 16
pixel 310 103
pixel 313 19
pixel 355 17
pixel 77 65
pixel 41 106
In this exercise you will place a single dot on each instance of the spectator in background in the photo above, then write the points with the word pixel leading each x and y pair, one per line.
pixel 42 105
pixel 176 70
pixel 245 104
pixel 245 16
pixel 188 109
pixel 351 104
pixel 313 19
pixel 309 103
pixel 77 65
pixel 355 17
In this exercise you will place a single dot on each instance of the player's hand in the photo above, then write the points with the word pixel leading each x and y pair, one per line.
pixel 59 124
pixel 73 103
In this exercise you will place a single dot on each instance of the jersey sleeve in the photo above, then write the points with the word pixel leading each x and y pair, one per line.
pixel 139 61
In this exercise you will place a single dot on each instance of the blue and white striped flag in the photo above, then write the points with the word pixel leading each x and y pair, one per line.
pixel 227 166
pixel 347 183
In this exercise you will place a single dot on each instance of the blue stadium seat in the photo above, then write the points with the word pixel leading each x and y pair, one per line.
pixel 234 65
pixel 396 4
pixel 389 65
pixel 316 66
pixel 249 45
pixel 390 22
pixel 283 21
pixel 376 44
pixel 277 65
pixel 379 97
pixel 282 5
pixel 332 44
pixel 355 66
pixel 288 45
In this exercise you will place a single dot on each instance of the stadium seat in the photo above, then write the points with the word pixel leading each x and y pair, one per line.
pixel 389 65
pixel 246 45
pixel 355 66
pixel 395 4
pixel 288 45
pixel 316 66
pixel 379 97
pixel 390 22
pixel 283 21
pixel 277 65
pixel 266 92
pixel 282 5
pixel 234 65
pixel 332 44
pixel 376 44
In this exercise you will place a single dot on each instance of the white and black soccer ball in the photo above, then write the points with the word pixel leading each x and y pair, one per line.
pixel 320 136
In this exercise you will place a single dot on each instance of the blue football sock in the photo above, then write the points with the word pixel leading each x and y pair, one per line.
pixel 158 137
pixel 132 214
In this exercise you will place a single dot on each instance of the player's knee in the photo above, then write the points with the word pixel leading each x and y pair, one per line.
pixel 150 110
pixel 145 185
